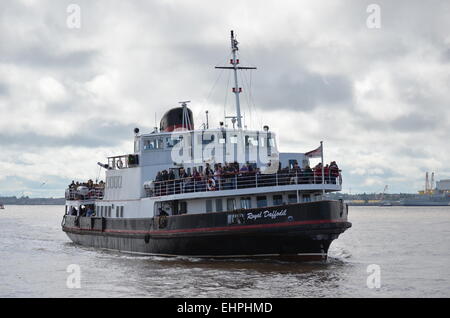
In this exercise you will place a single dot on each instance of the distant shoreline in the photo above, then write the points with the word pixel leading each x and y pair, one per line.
pixel 31 201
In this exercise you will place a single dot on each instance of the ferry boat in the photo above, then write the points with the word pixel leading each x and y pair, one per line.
pixel 220 192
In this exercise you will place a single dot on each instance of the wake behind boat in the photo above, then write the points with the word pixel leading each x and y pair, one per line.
pixel 219 192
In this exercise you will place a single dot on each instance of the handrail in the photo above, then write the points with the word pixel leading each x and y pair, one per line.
pixel 95 193
pixel 234 181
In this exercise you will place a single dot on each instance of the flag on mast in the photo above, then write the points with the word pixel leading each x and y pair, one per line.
pixel 316 153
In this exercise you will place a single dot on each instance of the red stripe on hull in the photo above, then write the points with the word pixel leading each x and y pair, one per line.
pixel 217 229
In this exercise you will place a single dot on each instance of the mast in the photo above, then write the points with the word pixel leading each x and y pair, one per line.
pixel 236 89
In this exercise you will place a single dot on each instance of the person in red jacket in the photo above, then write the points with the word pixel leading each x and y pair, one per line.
pixel 318 173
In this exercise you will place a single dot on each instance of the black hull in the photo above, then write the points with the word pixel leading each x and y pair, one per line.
pixel 300 231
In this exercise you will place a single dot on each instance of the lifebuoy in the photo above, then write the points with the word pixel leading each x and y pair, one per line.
pixel 162 222
pixel 211 184
pixel 119 164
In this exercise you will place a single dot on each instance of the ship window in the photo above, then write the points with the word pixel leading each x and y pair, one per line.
pixel 109 211
pixel 261 201
pixel 206 139
pixel 159 143
pixel 251 141
pixel 136 145
pixel 208 206
pixel 183 207
pixel 121 211
pixel 153 143
pixel 262 142
pixel 277 199
pixel 149 144
pixel 272 142
pixel 292 198
pixel 231 204
pixel 117 211
pixel 219 205
pixel 246 203
pixel 172 141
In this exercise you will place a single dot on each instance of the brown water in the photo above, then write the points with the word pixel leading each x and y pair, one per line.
pixel 410 244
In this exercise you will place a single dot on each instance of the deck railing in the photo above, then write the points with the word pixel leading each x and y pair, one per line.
pixel 234 181
pixel 95 193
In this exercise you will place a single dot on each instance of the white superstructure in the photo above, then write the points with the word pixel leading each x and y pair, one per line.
pixel 130 190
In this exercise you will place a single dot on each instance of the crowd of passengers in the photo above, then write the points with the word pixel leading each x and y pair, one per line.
pixel 89 184
pixel 84 211
pixel 91 190
pixel 231 176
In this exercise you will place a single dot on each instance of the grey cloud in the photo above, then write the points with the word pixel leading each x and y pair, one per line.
pixel 90 134
pixel 41 57
pixel 302 90
pixel 3 89
pixel 173 49
pixel 415 122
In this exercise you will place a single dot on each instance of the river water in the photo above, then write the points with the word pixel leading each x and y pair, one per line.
pixel 398 251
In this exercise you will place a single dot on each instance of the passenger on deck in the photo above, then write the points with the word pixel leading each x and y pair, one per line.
pixel 183 174
pixel 334 171
pixel 163 213
pixel 72 211
pixel 208 171
pixel 296 174
pixel 244 169
pixel 318 173
pixel 326 174
pixel 196 175
pixel 308 174
pixel 89 212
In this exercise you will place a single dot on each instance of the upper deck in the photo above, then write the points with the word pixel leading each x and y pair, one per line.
pixel 245 183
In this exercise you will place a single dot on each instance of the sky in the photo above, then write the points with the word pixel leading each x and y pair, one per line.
pixel 369 78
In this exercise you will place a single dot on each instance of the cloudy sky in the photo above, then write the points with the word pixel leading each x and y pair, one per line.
pixel 375 91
